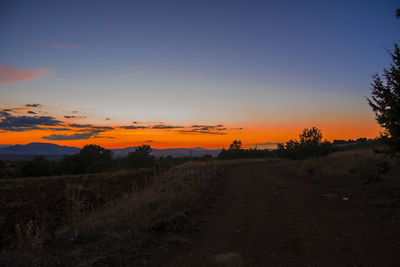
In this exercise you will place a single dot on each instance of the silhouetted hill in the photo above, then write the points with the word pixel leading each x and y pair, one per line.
pixel 48 149
pixel 39 149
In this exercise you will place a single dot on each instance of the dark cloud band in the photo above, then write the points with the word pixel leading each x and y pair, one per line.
pixel 26 123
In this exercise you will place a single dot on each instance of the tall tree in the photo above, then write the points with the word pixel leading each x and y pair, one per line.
pixel 385 101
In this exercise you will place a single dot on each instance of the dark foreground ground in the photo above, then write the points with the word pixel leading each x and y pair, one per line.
pixel 267 215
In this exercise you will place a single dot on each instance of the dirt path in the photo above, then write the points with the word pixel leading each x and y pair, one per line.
pixel 267 217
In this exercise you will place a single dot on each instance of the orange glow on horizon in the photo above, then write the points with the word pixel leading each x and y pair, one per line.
pixel 169 138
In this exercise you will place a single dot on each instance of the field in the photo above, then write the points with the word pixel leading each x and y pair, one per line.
pixel 122 210
pixel 51 202
pixel 209 213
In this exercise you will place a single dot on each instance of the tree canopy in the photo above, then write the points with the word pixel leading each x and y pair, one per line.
pixel 385 101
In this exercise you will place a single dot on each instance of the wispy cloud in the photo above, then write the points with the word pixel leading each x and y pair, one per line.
pixel 103 128
pixel 195 131
pixel 209 127
pixel 10 74
pixel 133 68
pixel 74 117
pixel 77 125
pixel 132 71
pixel 14 109
pixel 58 129
pixel 63 46
pixel 77 136
pixel 162 126
pixel 33 105
pixel 4 113
pixel 57 45
pixel 200 74
pixel 133 127
pixel 218 129
pixel 92 132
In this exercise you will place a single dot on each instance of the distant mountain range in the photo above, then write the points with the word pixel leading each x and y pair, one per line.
pixel 48 149
pixel 39 149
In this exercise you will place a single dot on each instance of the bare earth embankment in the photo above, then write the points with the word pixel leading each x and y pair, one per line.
pixel 268 215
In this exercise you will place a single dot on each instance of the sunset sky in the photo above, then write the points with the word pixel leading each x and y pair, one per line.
pixel 189 73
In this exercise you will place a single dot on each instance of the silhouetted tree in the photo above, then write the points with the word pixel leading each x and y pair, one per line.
pixel 236 145
pixel 311 137
pixel 94 158
pixel 140 158
pixel 385 101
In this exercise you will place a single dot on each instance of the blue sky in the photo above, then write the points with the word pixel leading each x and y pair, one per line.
pixel 234 62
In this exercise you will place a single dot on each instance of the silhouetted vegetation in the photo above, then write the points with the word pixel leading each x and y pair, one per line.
pixel 95 158
pixel 140 158
pixel 39 166
pixel 92 159
pixel 385 101
pixel 309 145
pixel 356 143
pixel 236 151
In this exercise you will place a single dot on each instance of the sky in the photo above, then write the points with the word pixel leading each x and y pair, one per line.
pixel 190 73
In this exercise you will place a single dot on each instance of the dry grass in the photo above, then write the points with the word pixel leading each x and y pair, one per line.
pixel 353 167
pixel 123 218
pixel 366 178
pixel 131 230
pixel 308 167
pixel 35 208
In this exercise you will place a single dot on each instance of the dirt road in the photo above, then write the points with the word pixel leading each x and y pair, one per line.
pixel 266 216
